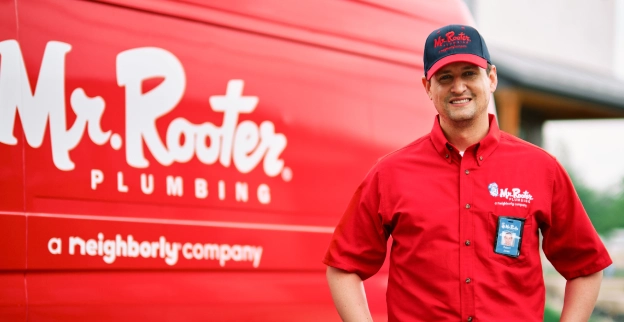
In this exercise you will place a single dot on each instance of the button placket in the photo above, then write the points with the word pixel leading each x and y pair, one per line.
pixel 467 255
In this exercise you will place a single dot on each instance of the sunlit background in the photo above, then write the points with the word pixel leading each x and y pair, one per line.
pixel 561 66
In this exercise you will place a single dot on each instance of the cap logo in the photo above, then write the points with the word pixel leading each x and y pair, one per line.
pixel 451 38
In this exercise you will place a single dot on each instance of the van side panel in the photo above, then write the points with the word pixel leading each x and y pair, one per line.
pixel 11 172
pixel 12 221
pixel 12 296
pixel 179 296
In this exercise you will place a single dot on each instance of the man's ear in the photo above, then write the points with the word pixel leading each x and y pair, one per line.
pixel 426 85
pixel 493 76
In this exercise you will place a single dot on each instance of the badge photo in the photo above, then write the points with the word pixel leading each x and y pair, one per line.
pixel 509 236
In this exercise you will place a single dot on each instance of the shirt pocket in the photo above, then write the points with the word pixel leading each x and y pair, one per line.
pixel 526 240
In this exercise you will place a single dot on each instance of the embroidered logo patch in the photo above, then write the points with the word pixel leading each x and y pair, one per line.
pixel 513 196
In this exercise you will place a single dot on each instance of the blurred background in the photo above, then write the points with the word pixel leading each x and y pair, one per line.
pixel 561 72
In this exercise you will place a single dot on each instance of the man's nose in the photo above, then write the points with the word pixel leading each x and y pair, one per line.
pixel 458 86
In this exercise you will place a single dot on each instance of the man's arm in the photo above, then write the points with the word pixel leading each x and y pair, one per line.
pixel 347 290
pixel 580 297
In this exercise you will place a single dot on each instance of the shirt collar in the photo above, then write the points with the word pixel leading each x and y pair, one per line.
pixel 484 148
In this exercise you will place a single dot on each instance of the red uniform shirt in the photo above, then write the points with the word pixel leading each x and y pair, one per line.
pixel 442 212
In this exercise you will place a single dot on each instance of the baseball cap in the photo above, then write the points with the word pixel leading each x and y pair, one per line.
pixel 454 43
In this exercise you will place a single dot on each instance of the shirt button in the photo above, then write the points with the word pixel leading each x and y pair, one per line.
pixel 467 206
pixel 481 158
pixel 446 156
pixel 469 318
pixel 467 171
pixel 468 280
pixel 467 242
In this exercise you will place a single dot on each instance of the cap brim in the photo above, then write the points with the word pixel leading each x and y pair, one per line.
pixel 466 58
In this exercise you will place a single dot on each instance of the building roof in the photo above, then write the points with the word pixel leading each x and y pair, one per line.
pixel 516 70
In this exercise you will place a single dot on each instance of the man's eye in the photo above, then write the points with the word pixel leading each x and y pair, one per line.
pixel 445 77
pixel 469 73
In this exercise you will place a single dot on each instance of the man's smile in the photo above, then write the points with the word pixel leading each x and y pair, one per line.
pixel 460 101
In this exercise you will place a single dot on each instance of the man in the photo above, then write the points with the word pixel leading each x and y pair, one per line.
pixel 443 199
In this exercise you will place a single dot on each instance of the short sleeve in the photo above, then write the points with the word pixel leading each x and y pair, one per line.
pixel 359 241
pixel 570 241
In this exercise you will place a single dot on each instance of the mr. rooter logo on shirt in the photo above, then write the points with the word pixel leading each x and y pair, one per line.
pixel 513 196
pixel 242 144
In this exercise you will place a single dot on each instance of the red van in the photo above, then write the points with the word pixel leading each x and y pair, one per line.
pixel 188 160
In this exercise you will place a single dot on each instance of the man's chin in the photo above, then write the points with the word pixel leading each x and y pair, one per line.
pixel 461 117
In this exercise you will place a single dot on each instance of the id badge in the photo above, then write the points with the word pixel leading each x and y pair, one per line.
pixel 509 236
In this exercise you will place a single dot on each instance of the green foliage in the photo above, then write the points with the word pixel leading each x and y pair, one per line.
pixel 550 315
pixel 605 208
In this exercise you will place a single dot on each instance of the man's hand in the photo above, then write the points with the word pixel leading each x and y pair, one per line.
pixel 347 290
pixel 580 297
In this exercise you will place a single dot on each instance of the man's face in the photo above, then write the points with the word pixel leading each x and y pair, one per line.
pixel 461 91
pixel 507 239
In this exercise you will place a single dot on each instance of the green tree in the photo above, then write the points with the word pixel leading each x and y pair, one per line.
pixel 605 208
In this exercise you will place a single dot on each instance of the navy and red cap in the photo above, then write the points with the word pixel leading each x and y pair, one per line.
pixel 454 43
